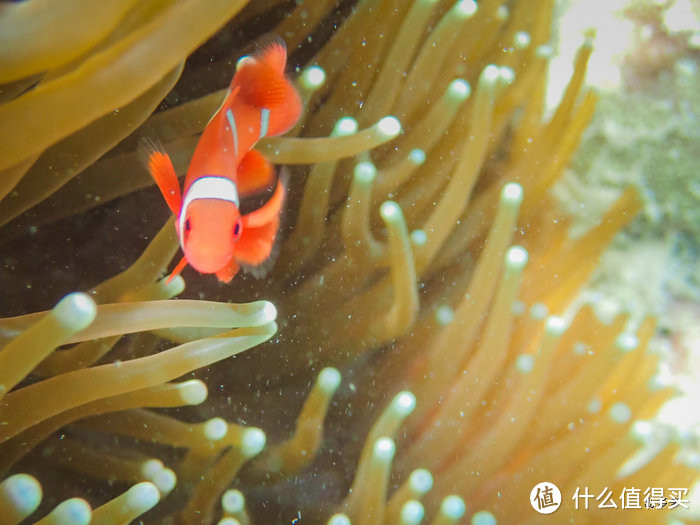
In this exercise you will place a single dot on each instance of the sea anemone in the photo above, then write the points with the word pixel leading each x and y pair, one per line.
pixel 427 361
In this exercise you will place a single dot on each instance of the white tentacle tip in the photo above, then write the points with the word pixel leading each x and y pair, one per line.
pixel 345 126
pixel 75 311
pixel 313 77
pixel 491 74
pixel 329 380
pixel 555 325
pixel 228 520
pixel 620 412
pixel 416 156
pixel 142 497
pixel 165 480
pixel 421 481
pixel 74 511
pixel 404 403
pixel 516 257
pixel 215 429
pixel 193 392
pixel 269 312
pixel 233 501
pixel 483 517
pixel 419 237
pixel 151 467
pixel 389 126
pixel 252 442
pixel 521 39
pixel 365 172
pixel 512 193
pixel 384 449
pixel 506 75
pixel 459 89
pixel 390 211
pixel 412 513
pixel 466 8
pixel 23 492
pixel 453 507
pixel 339 519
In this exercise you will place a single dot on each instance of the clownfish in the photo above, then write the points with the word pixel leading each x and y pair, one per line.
pixel 214 236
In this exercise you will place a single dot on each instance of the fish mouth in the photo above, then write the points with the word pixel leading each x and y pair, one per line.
pixel 209 264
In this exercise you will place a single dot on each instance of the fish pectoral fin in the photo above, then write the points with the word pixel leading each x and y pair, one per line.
pixel 163 172
pixel 255 173
pixel 268 211
pixel 176 271
pixel 228 272
pixel 256 248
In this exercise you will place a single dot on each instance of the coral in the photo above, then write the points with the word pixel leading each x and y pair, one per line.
pixel 422 289
pixel 644 135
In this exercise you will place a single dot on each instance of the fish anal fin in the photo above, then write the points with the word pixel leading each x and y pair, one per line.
pixel 254 250
pixel 176 271
pixel 228 272
pixel 255 173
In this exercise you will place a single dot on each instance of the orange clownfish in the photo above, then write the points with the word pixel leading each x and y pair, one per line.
pixel 214 236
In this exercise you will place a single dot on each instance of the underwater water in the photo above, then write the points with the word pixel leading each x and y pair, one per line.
pixel 418 350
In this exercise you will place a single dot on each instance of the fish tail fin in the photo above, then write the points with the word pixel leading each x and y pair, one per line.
pixel 161 169
pixel 255 173
pixel 262 83
pixel 272 50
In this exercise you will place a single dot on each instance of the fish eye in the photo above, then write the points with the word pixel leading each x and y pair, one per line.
pixel 237 229
pixel 188 226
